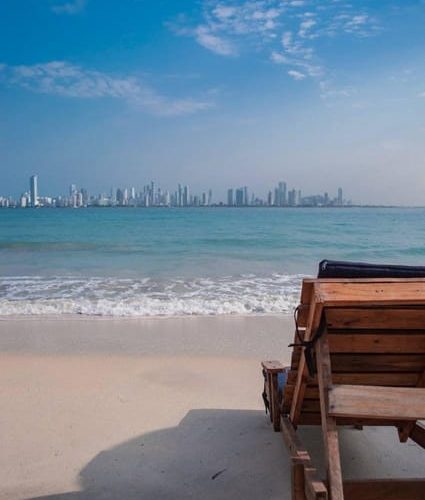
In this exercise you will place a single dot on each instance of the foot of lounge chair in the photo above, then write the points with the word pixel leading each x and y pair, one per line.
pixel 271 371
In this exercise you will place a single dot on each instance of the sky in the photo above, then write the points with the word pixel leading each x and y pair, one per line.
pixel 214 94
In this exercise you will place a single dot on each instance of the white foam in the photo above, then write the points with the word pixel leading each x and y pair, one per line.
pixel 245 294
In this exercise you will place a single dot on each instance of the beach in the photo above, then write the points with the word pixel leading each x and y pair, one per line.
pixel 156 408
pixel 131 342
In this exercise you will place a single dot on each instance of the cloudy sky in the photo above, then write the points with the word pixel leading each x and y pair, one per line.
pixel 320 93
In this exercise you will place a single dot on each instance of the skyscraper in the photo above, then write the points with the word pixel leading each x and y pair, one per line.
pixel 239 197
pixel 186 196
pixel 340 196
pixel 34 190
pixel 245 196
pixel 230 201
pixel 282 201
pixel 179 196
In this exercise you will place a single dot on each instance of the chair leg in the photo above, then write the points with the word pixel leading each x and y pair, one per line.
pixel 329 427
pixel 298 480
pixel 275 406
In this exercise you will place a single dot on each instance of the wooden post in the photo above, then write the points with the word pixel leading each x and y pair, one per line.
pixel 298 480
pixel 274 403
pixel 405 430
pixel 329 428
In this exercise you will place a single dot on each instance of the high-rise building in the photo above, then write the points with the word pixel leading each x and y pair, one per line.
pixel 292 198
pixel 209 197
pixel 282 201
pixel 340 196
pixel 239 197
pixel 186 196
pixel 85 196
pixel 230 201
pixel 270 199
pixel 24 200
pixel 167 199
pixel 326 199
pixel 245 196
pixel 34 190
pixel 179 196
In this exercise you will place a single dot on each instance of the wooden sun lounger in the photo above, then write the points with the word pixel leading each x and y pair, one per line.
pixel 369 353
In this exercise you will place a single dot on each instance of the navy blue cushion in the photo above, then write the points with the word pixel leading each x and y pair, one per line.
pixel 341 269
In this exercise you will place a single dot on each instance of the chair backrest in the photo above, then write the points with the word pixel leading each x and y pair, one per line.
pixel 376 334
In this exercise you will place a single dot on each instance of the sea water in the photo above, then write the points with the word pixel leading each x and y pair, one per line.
pixel 200 261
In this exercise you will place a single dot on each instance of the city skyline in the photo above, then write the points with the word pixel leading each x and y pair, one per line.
pixel 215 91
pixel 152 195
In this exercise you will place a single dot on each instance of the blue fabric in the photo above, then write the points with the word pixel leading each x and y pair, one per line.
pixel 282 379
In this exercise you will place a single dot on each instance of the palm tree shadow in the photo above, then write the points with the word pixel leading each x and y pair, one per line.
pixel 211 454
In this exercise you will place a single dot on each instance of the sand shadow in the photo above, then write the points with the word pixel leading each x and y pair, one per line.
pixel 211 454
pixel 219 454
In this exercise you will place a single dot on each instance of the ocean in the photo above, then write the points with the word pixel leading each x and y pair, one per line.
pixel 200 261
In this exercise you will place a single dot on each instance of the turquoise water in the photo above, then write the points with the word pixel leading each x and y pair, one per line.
pixel 187 261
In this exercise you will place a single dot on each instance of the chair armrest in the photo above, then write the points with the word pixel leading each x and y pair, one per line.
pixel 272 366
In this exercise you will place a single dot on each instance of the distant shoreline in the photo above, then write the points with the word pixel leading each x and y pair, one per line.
pixel 159 207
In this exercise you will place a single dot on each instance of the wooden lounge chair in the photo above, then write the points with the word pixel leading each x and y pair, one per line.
pixel 358 359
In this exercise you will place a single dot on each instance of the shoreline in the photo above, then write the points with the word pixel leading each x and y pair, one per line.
pixel 239 336
pixel 101 317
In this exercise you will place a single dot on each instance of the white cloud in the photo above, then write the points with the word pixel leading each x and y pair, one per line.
pixel 305 28
pixel 212 42
pixel 296 75
pixel 224 23
pixel 68 80
pixel 224 11
pixel 422 94
pixel 328 90
pixel 232 27
pixel 278 58
pixel 73 7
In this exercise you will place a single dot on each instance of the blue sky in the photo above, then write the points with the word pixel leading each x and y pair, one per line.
pixel 215 94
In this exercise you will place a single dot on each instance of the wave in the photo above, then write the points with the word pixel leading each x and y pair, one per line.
pixel 125 297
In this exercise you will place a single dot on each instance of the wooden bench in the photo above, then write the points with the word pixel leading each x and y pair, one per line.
pixel 368 347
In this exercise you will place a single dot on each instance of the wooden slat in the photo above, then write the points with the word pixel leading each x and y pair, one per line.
pixel 358 401
pixel 315 316
pixel 329 426
pixel 383 344
pixel 311 406
pixel 315 419
pixel 384 293
pixel 403 379
pixel 378 362
pixel 381 379
pixel 376 318
pixel 364 280
pixel 359 362
pixel 388 489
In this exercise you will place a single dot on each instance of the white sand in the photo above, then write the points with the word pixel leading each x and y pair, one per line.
pixel 153 409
